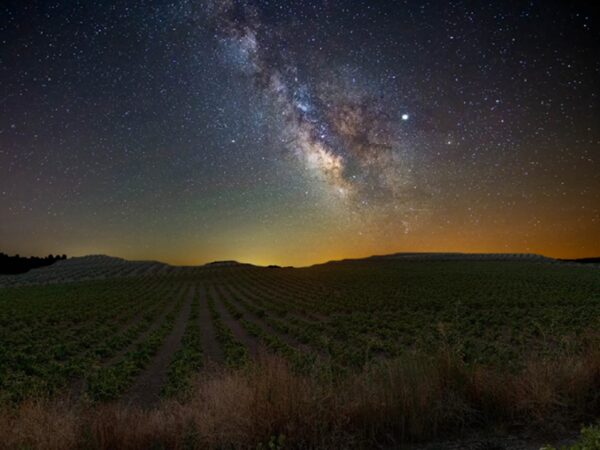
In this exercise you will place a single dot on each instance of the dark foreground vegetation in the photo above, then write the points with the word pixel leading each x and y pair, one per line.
pixel 268 403
pixel 359 354
pixel 12 265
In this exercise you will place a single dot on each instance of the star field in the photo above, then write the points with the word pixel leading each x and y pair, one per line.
pixel 296 132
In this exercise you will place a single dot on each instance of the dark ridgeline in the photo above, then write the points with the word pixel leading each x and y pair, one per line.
pixel 588 260
pixel 17 264
pixel 584 260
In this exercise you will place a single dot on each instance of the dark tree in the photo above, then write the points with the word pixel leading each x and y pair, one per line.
pixel 16 264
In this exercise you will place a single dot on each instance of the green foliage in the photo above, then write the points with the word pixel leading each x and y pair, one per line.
pixel 236 354
pixel 337 317
pixel 188 360
pixel 274 443
pixel 589 440
pixel 490 312
pixel 53 335
pixel 109 382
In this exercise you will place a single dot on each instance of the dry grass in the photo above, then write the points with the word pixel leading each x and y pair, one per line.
pixel 411 399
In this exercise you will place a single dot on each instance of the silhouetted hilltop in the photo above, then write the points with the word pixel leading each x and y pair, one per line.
pixel 450 257
pixel 99 260
pixel 226 263
pixel 92 267
pixel 583 260
pixel 98 267
pixel 466 256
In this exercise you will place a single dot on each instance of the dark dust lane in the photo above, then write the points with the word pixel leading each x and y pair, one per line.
pixel 146 389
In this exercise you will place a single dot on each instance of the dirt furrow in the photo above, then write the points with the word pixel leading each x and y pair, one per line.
pixel 79 385
pixel 236 328
pixel 159 320
pixel 289 340
pixel 146 389
pixel 252 293
pixel 213 353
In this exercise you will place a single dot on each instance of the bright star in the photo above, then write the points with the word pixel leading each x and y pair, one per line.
pixel 405 116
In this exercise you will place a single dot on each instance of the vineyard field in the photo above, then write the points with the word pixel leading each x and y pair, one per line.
pixel 345 314
pixel 145 338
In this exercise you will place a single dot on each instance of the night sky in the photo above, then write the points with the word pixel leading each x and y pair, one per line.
pixel 294 132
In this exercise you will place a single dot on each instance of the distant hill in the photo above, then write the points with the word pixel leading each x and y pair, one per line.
pixel 466 256
pixel 584 260
pixel 95 267
pixel 226 263
pixel 91 267
pixel 451 257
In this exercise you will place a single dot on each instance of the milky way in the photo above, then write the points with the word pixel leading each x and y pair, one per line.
pixel 294 132
pixel 345 134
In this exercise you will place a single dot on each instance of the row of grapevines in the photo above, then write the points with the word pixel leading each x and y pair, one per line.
pixel 236 354
pixel 107 383
pixel 188 359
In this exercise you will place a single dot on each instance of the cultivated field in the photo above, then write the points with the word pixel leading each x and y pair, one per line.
pixel 354 353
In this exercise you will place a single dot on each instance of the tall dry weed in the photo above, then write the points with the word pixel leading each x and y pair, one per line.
pixel 412 398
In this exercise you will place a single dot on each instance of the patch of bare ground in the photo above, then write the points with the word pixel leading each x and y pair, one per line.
pixel 248 341
pixel 212 351
pixel 145 391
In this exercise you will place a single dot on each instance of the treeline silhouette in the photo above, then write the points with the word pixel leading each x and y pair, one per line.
pixel 17 264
